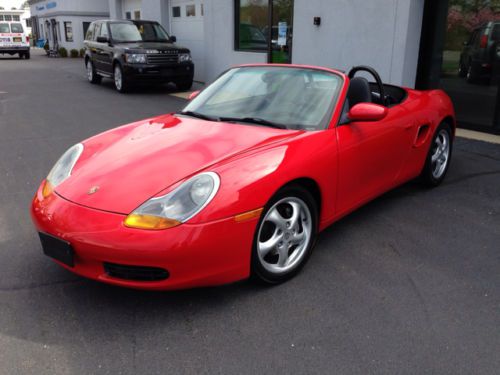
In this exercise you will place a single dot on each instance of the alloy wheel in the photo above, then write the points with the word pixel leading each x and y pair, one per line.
pixel 440 153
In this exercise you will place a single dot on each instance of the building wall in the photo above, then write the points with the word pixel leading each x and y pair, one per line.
pixel 384 34
pixel 219 40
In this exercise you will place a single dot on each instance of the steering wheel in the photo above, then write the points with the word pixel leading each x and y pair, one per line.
pixel 373 72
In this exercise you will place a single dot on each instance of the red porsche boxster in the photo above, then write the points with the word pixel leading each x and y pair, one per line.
pixel 241 181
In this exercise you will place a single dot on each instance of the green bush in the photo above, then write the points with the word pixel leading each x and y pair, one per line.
pixel 73 53
pixel 46 46
pixel 63 52
pixel 82 52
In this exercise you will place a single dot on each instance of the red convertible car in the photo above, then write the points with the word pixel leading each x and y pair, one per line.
pixel 241 181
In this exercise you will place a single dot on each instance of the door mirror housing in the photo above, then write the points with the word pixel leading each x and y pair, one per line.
pixel 173 38
pixel 367 112
pixel 193 95
pixel 102 39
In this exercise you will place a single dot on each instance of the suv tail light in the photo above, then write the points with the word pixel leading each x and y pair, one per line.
pixel 484 41
pixel 27 39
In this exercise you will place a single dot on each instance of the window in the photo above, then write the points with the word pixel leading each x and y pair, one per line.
pixel 85 26
pixel 104 31
pixel 252 17
pixel 190 10
pixel 4 28
pixel 16 18
pixel 16 28
pixel 68 31
pixel 89 35
pixel 1 17
pixel 137 14
pixel 128 15
pixel 176 11
pixel 28 22
pixel 124 32
pixel 7 17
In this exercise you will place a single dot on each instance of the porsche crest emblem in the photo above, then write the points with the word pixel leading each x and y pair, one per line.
pixel 93 190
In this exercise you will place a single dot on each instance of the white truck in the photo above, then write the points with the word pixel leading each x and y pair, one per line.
pixel 14 40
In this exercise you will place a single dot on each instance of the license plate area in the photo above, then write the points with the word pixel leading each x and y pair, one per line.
pixel 17 39
pixel 57 249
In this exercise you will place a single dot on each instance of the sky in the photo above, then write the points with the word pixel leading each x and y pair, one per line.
pixel 7 4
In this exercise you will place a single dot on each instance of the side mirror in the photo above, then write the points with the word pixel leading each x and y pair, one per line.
pixel 193 95
pixel 173 38
pixel 102 39
pixel 367 112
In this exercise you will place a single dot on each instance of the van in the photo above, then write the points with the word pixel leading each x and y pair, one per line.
pixel 14 40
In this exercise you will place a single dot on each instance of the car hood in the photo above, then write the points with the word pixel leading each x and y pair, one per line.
pixel 122 168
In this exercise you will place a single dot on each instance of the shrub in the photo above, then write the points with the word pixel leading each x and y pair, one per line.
pixel 73 53
pixel 82 52
pixel 46 46
pixel 63 52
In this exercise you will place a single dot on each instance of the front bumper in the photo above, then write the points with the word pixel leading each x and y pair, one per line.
pixel 194 255
pixel 167 73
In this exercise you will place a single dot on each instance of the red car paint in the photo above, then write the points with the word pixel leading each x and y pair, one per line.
pixel 350 165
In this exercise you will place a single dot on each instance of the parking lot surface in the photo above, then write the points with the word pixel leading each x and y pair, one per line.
pixel 409 284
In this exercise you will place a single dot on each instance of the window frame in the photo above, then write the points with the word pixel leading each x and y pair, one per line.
pixel 237 7
pixel 180 11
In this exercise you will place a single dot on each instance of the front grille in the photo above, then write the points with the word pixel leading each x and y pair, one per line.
pixel 137 273
pixel 168 57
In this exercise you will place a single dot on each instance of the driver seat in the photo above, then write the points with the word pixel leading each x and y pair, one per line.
pixel 359 91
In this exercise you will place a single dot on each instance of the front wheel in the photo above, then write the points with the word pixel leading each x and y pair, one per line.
pixel 285 235
pixel 439 156
pixel 91 73
pixel 184 85
pixel 121 84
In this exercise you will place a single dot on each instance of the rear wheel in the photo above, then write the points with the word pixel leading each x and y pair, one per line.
pixel 21 55
pixel 439 156
pixel 471 75
pixel 92 76
pixel 27 55
pixel 285 235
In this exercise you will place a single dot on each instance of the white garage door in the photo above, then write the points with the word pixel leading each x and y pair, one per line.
pixel 186 23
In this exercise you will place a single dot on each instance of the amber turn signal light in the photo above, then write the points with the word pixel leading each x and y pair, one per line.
pixel 149 222
pixel 249 215
pixel 47 189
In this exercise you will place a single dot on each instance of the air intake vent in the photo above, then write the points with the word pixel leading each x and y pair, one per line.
pixel 137 273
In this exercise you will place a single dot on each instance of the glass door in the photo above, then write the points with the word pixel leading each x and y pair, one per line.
pixel 280 33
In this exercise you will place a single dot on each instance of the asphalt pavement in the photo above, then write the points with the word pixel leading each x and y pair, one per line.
pixel 409 284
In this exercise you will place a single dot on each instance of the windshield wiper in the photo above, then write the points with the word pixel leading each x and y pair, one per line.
pixel 198 115
pixel 255 120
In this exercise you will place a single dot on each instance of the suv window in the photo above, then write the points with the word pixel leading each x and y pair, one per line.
pixel 4 28
pixel 152 32
pixel 16 28
pixel 104 30
pixel 124 32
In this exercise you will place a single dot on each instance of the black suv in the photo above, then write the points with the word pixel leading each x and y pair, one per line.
pixel 129 51
pixel 481 53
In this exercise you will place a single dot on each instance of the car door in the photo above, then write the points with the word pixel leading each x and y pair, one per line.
pixel 371 155
pixel 105 50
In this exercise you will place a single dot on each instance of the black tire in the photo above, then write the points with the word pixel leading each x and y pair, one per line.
pixel 259 267
pixel 118 75
pixel 27 55
pixel 428 176
pixel 184 85
pixel 21 55
pixel 462 70
pixel 92 75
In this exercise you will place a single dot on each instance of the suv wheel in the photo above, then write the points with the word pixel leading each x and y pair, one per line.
pixel 91 73
pixel 121 84
pixel 184 85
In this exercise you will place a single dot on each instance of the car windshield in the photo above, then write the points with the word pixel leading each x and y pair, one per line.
pixel 4 28
pixel 124 32
pixel 292 98
pixel 152 32
pixel 16 27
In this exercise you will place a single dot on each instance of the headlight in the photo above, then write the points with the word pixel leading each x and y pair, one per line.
pixel 183 57
pixel 62 169
pixel 135 58
pixel 178 206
